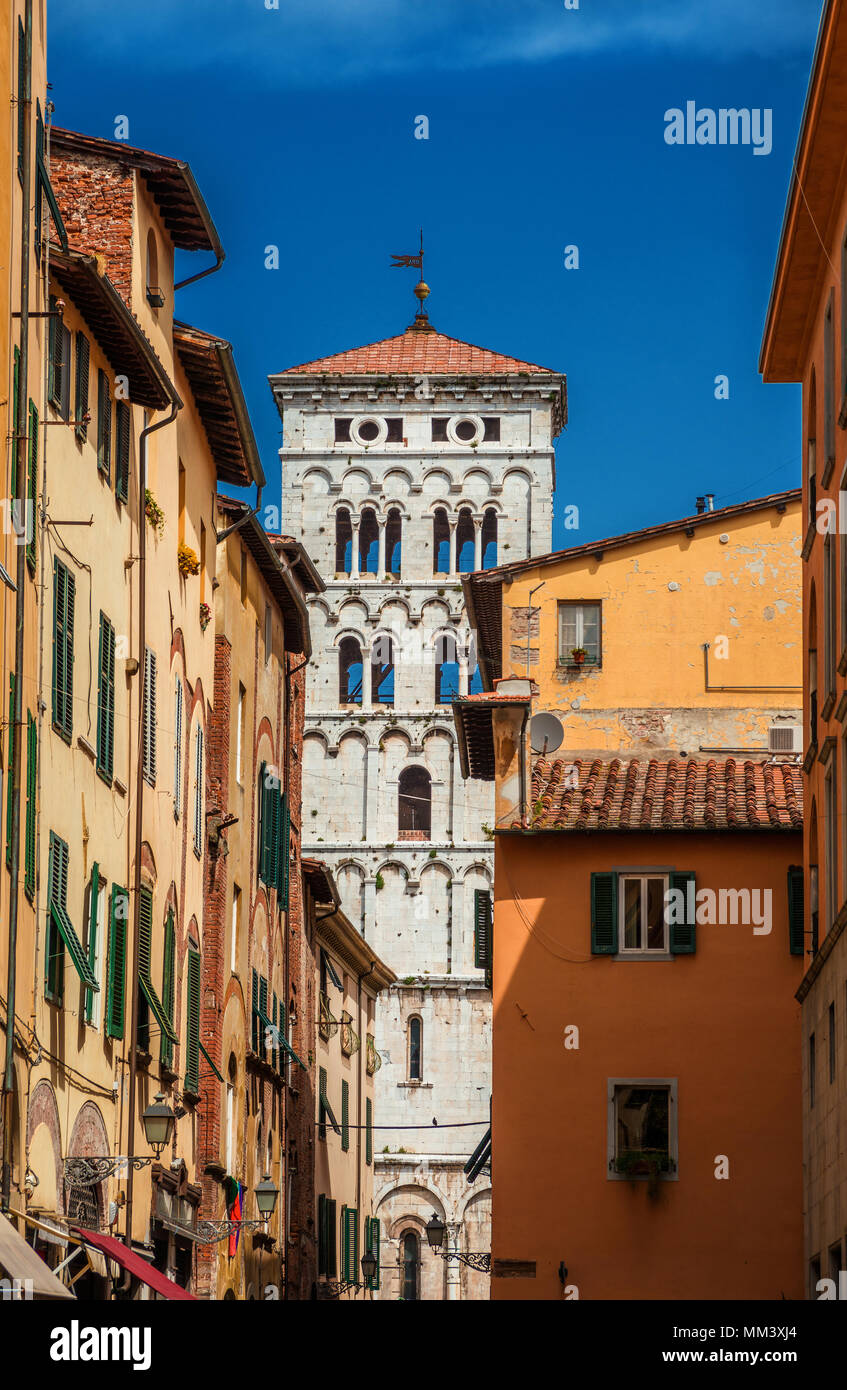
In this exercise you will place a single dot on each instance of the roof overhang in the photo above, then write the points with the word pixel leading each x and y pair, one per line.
pixel 116 330
pixel 209 366
pixel 336 931
pixel 277 575
pixel 473 717
pixel 301 562
pixel 320 882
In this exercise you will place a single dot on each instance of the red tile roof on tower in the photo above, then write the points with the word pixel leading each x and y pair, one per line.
pixel 414 351
pixel 646 794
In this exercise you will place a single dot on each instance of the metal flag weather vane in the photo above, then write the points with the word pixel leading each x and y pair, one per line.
pixel 421 290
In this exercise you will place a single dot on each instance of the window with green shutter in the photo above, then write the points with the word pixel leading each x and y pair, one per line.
pixel 54 946
pixel 331 1239
pixel 123 420
pixel 57 901
pixel 166 1050
pixel 10 771
pixel 796 917
pixel 151 718
pixel 276 1020
pixel 16 379
pixel 324 1108
pixel 482 929
pixel 369 1130
pixel 350 1244
pixel 83 362
pixel 145 960
pixel 31 513
pixel 116 977
pixel 93 904
pixel 31 783
pixel 104 425
pixel 64 598
pixel 683 924
pixel 198 791
pixel 345 1116
pixel 283 857
pixel 256 1023
pixel 268 798
pixel 372 1233
pixel 59 362
pixel 106 700
pixel 604 914
pixel 322 1234
pixel 263 1018
pixel 192 1033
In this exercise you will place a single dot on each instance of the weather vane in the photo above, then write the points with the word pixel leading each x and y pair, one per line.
pixel 421 290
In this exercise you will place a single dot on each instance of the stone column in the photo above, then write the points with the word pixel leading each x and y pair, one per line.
pixel 477 542
pixel 453 525
pixel 371 785
pixel 366 679
pixel 463 675
pixel 462 955
pixel 354 550
pixel 453 1268
pixel 380 564
pixel 370 908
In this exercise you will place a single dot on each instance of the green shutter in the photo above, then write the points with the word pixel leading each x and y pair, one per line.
pixel 106 700
pixel 683 935
pixel 604 914
pixel 10 771
pixel 57 903
pixel 64 599
pixel 145 957
pixel 122 442
pixel 192 1071
pixel 116 981
pixel 283 852
pixel 482 929
pixel 92 935
pixel 350 1227
pixel 104 425
pixel 263 1018
pixel 256 1025
pixel 369 1136
pixel 55 346
pixel 270 875
pixel 322 1234
pixel 332 1239
pixel 83 358
pixel 322 1102
pixel 31 511
pixel 374 1283
pixel 166 1052
pixel 31 788
pixel 17 377
pixel 345 1116
pixel 345 1268
pixel 796 921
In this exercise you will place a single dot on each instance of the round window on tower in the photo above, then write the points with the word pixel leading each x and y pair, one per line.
pixel 368 429
pixel 465 429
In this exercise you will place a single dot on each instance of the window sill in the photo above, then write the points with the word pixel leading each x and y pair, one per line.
pixel 105 776
pixel 416 1085
pixel 809 541
pixel 828 705
pixel 644 955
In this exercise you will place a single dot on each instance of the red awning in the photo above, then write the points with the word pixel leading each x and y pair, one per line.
pixel 127 1259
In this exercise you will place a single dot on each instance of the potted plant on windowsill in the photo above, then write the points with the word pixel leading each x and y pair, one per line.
pixel 186 559
pixel 578 655
pixel 644 1163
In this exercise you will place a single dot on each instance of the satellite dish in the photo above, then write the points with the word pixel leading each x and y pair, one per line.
pixel 546 733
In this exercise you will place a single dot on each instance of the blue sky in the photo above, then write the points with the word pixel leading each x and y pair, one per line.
pixel 546 130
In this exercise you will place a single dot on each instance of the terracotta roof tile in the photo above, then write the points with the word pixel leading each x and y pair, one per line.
pixel 412 352
pixel 695 794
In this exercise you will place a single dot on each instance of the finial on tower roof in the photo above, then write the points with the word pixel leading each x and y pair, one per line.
pixel 421 290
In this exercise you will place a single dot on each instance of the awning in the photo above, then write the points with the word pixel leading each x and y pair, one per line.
pixel 134 1264
pixel 19 1261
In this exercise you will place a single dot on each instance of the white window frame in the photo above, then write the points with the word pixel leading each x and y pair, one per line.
pixel 97 965
pixel 642 877
pixel 177 749
pixel 578 606
pixel 198 791
pixel 612 1086
pixel 151 717
pixel 237 908
pixel 239 735
pixel 230 1125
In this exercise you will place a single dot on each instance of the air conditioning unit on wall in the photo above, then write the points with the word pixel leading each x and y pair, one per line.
pixel 785 738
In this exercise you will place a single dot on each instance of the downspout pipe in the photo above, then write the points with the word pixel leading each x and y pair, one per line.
pixel 201 274
pixel 364 975
pixel 176 406
pixel 20 445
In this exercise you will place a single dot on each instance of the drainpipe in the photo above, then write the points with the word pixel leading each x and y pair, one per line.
pixel 176 406
pixel 201 274
pixel 285 1177
pixel 523 786
pixel 359 980
pixel 21 440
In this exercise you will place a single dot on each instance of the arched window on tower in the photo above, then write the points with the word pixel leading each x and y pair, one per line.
pixel 368 542
pixel 393 542
pixel 382 669
pixel 489 539
pixel 414 1049
pixel 465 550
pixel 410 1260
pixel 414 804
pixel 349 672
pixel 446 669
pixel 343 541
pixel 440 542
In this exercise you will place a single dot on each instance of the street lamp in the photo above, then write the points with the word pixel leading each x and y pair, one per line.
pixel 435 1232
pixel 266 1195
pixel 369 1267
pixel 158 1121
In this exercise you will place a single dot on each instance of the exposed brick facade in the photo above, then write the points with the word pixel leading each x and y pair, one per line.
pixel 95 197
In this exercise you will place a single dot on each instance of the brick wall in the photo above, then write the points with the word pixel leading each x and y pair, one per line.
pixel 95 198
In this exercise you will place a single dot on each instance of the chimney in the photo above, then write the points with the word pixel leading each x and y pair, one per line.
pixel 701 505
pixel 710 501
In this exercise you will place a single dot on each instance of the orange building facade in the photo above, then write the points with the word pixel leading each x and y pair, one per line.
pixel 805 341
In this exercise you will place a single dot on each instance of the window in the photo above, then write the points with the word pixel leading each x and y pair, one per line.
pixel 198 791
pixel 580 628
pixel 148 998
pixel 31 511
pixel 489 539
pixel 831 856
pixel 372 1248
pixel 104 425
pixel 369 1130
pixel 95 918
pixel 61 935
pixel 116 986
pixel 268 633
pixel 812 1070
pixel 409 1263
pixel 641 914
pixel 465 542
pixel 382 670
pixel 31 788
pixel 166 1054
pixel 232 1077
pixel 642 1134
pixel 830 610
pixel 393 542
pixel 177 748
pixel 150 721
pixel 83 362
pixel 831 1022
pixel 350 1244
pixel 324 1107
pixel 440 542
pixel 235 948
pixel 414 804
pixel 64 596
pixel 415 1049
pixel 483 930
pixel 192 1034
pixel 239 734
pixel 828 389
pixel 345 1115
pixel 446 669
pixel 10 771
pixel 59 364
pixel 106 700
pixel 368 542
pixel 327 1237
pixel 343 541
pixel 273 833
pixel 464 428
pixel 349 672
pixel 123 421
pixel 796 925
